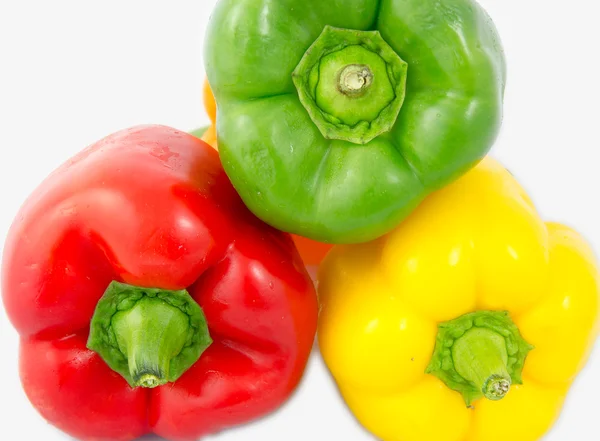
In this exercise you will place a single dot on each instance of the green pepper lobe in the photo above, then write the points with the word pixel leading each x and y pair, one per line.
pixel 336 119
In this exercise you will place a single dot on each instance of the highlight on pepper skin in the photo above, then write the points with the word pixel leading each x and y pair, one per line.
pixel 149 299
pixel 468 322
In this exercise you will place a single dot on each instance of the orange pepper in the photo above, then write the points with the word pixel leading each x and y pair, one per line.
pixel 312 252
pixel 210 136
pixel 210 105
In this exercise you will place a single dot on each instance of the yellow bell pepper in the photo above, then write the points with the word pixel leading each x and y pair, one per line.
pixel 468 322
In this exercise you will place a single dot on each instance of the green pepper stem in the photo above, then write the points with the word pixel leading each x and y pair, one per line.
pixel 480 357
pixel 352 84
pixel 150 334
pixel 355 79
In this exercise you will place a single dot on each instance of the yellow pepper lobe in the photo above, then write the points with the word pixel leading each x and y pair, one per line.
pixel 564 325
pixel 428 411
pixel 531 410
pixel 382 337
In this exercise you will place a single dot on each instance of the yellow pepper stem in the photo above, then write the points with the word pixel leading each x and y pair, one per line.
pixel 479 355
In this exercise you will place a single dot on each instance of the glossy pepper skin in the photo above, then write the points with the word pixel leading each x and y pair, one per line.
pixel 311 251
pixel 477 246
pixel 335 119
pixel 152 207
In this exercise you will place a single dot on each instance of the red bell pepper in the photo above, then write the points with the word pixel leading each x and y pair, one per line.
pixel 143 236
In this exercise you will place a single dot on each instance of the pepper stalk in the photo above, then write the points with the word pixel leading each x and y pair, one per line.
pixel 148 336
pixel 480 354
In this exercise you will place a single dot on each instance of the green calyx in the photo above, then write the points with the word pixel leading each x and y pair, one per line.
pixel 480 354
pixel 149 336
pixel 352 84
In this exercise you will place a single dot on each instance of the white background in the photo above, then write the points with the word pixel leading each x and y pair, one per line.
pixel 72 72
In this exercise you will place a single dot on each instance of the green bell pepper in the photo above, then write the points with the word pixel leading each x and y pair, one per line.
pixel 336 118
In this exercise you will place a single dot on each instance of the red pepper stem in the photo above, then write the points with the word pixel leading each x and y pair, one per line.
pixel 150 334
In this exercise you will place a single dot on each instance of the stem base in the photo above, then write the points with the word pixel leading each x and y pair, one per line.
pixel 352 84
pixel 479 355
pixel 149 336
